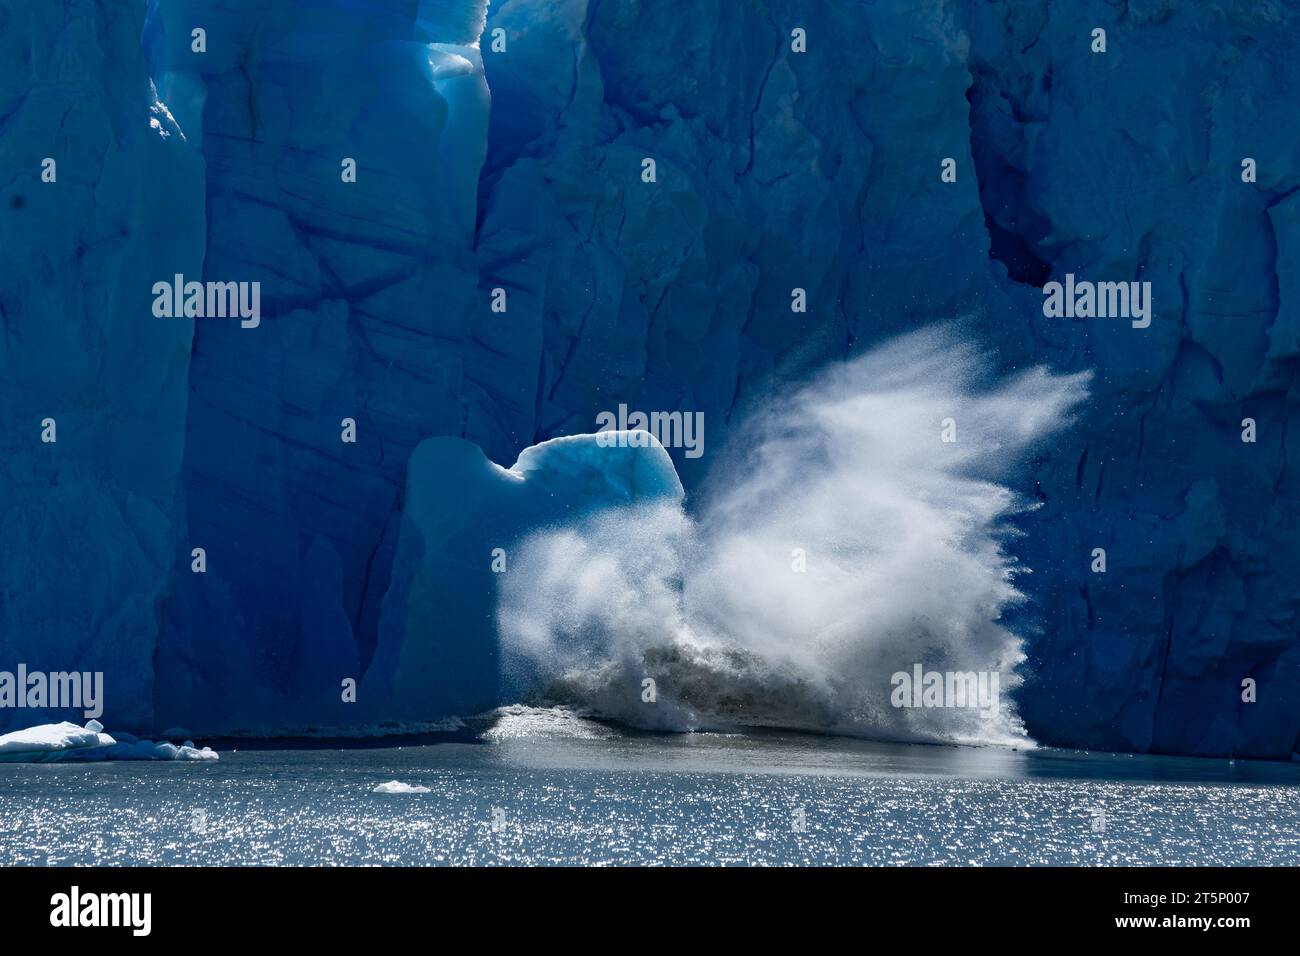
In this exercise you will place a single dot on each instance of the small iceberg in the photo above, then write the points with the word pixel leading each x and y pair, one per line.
pixel 53 741
pixel 396 786
pixel 48 743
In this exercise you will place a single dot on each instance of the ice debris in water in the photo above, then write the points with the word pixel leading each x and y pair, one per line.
pixel 396 786
pixel 66 741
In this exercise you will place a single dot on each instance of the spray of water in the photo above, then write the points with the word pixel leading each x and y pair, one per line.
pixel 841 541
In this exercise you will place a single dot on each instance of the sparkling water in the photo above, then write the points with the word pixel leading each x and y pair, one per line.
pixel 548 787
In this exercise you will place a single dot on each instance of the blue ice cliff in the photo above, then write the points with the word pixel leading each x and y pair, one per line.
pixel 499 159
pixel 91 521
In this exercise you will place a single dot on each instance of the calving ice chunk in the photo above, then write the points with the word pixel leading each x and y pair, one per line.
pixel 1102 300
pixel 209 300
pixel 74 908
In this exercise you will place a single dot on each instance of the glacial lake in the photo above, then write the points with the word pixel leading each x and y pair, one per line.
pixel 542 787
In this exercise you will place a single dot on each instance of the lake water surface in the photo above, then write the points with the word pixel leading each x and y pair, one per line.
pixel 547 787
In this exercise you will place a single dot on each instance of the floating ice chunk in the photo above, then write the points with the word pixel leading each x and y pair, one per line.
pixel 149 750
pixel 396 786
pixel 52 741
pixel 189 752
pixel 67 741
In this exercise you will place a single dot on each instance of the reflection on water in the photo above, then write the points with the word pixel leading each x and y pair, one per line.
pixel 544 787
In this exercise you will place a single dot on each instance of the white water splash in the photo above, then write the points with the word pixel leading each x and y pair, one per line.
pixel 904 540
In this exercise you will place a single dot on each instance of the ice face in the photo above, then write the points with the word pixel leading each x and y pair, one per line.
pixel 343 144
pixel 101 196
pixel 521 170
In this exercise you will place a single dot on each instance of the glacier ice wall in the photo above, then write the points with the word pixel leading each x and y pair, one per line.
pixel 520 170
pixel 88 544
pixel 367 287
pixel 1129 164
pixel 821 171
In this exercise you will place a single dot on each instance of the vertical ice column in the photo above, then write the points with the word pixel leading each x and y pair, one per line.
pixel 100 196
pixel 344 142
